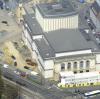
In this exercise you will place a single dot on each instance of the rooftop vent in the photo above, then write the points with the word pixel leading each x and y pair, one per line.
pixel 57 6
pixel 47 54
pixel 49 7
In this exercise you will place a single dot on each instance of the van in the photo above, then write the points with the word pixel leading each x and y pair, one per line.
pixel 5 65
pixel 34 73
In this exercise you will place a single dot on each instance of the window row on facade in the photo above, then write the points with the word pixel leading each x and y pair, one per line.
pixel 75 65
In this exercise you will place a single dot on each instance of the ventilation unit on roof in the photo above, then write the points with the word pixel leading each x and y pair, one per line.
pixel 49 7
pixel 47 54
pixel 57 6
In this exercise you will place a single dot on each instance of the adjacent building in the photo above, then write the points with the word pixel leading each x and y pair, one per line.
pixel 95 14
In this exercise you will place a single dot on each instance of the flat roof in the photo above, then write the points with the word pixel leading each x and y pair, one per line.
pixel 34 26
pixel 79 75
pixel 86 74
pixel 67 74
pixel 55 10
pixel 29 8
pixel 67 40
pixel 44 48
pixel 60 41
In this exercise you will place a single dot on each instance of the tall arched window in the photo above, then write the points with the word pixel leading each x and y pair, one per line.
pixel 69 66
pixel 75 65
pixel 81 64
pixel 62 66
pixel 88 63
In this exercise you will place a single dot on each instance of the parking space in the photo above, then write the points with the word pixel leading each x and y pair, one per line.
pixel 15 58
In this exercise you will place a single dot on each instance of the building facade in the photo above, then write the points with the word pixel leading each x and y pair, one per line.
pixel 58 47
pixel 50 24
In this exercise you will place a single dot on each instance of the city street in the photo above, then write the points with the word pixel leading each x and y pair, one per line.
pixel 46 93
pixel 52 93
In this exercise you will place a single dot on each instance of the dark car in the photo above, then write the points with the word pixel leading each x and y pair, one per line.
pixel 13 57
pixel 15 63
pixel 5 22
pixel 28 60
pixel 32 63
pixel 86 17
pixel 23 74
pixel 91 26
pixel 26 67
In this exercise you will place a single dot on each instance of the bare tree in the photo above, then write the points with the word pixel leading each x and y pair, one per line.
pixel 1 85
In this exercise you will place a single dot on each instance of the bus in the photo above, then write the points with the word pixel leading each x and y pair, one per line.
pixel 91 94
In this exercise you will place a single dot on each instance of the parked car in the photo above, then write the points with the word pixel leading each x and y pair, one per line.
pixel 86 17
pixel 1 53
pixel 13 57
pixel 26 67
pixel 17 72
pixel 5 65
pixel 91 26
pixel 28 60
pixel 7 7
pixel 5 22
pixel 31 63
pixel 34 73
pixel 15 63
pixel 23 74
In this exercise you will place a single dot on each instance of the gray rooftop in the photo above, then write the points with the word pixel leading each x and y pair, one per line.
pixel 44 48
pixel 64 40
pixel 53 10
pixel 29 8
pixel 34 26
pixel 68 40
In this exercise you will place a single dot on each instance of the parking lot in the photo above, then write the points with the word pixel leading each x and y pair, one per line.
pixel 9 29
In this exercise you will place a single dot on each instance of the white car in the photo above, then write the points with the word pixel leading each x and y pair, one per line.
pixel 5 66
pixel 16 72
pixel 88 20
pixel 34 73
pixel 93 31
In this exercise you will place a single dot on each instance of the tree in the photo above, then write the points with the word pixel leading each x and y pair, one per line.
pixel 1 85
pixel 11 92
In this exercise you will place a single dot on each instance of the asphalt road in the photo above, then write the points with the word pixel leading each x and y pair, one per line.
pixel 52 93
pixel 23 92
pixel 46 93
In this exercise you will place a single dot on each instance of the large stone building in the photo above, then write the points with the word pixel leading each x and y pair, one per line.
pixel 53 37
pixel 56 16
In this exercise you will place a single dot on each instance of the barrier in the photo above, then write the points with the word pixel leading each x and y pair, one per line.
pixel 78 85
